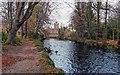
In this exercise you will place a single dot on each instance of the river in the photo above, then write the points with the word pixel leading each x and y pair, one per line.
pixel 77 58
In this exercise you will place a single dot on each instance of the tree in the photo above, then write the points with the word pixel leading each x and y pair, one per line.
pixel 98 19
pixel 106 13
pixel 10 19
pixel 90 16
pixel 118 22
pixel 19 19
pixel 7 13
pixel 79 19
pixel 42 17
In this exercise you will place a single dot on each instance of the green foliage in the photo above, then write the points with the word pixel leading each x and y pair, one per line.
pixel 0 37
pixel 17 41
pixel 3 37
pixel 41 37
pixel 38 43
pixel 32 19
pixel 49 61
pixel 109 46
pixel 31 34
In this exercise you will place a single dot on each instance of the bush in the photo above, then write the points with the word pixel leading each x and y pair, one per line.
pixel 41 37
pixel 3 37
pixel 47 58
pixel 31 35
pixel 38 43
pixel 17 41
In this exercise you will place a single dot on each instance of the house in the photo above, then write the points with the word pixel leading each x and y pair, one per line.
pixel 54 32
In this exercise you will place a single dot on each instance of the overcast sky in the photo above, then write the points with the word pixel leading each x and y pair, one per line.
pixel 62 14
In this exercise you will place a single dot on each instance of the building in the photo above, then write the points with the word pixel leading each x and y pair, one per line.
pixel 54 32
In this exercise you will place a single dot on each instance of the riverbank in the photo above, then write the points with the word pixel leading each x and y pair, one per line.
pixel 26 58
pixel 47 64
pixel 75 57
pixel 104 44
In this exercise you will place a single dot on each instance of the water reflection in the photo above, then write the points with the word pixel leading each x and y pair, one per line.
pixel 76 58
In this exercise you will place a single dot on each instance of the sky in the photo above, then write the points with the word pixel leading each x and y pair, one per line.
pixel 62 14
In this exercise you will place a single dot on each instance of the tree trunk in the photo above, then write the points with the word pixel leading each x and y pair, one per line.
pixel 36 32
pixel 37 27
pixel 20 19
pixel 11 18
pixel 26 29
pixel 113 35
pixel 22 32
pixel 11 36
pixel 12 33
pixel 118 28
pixel 105 33
pixel 98 18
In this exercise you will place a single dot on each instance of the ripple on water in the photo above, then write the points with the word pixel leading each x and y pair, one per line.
pixel 76 58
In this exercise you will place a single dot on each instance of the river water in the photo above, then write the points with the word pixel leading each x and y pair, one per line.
pixel 77 58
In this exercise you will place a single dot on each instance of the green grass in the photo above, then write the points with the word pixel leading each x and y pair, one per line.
pixel 38 43
pixel 46 56
pixel 45 60
pixel 109 46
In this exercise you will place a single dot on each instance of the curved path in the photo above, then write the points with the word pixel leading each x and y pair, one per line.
pixel 20 59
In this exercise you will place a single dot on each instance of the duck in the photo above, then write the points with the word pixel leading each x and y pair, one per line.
pixel 56 52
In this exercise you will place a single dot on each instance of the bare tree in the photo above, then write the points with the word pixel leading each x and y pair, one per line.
pixel 106 14
pixel 7 14
pixel 44 12
pixel 19 19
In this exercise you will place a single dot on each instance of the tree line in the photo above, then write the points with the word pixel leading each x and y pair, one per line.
pixel 19 14
pixel 90 20
pixel 96 20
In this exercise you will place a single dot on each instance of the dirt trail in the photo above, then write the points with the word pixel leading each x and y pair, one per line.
pixel 20 59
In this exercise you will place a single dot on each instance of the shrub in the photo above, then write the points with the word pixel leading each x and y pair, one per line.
pixel 31 34
pixel 48 60
pixel 3 37
pixel 17 41
pixel 41 37
pixel 38 43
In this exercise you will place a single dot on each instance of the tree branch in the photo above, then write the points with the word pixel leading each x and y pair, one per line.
pixel 29 11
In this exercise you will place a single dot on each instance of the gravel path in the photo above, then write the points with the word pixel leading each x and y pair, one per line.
pixel 20 59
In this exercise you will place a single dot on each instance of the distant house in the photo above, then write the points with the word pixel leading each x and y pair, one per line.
pixel 54 32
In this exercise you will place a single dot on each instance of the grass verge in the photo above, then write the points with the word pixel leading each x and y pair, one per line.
pixel 45 62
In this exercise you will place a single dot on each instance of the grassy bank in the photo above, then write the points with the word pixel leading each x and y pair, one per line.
pixel 108 44
pixel 47 65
